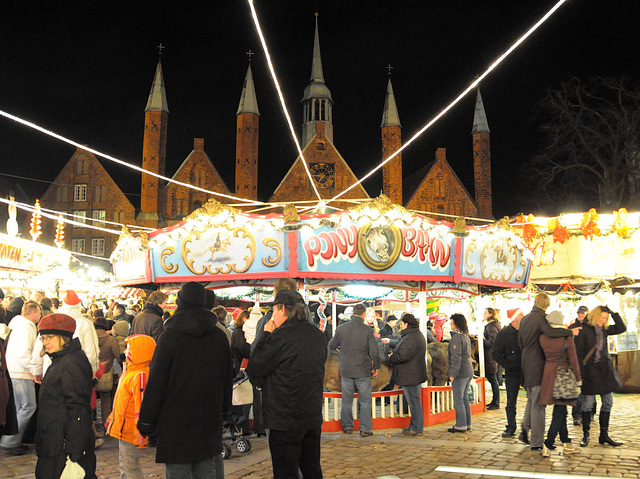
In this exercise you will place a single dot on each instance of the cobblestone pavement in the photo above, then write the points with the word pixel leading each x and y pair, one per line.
pixel 388 453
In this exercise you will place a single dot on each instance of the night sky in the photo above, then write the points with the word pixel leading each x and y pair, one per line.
pixel 84 70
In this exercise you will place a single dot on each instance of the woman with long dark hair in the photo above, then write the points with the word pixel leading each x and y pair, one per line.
pixel 460 372
pixel 599 375
pixel 491 328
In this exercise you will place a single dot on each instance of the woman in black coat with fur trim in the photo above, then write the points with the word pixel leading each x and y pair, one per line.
pixel 599 375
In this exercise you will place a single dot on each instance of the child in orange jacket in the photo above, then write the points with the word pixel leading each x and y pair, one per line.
pixel 127 401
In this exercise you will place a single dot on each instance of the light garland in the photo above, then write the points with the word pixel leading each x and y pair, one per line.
pixel 59 239
pixel 36 222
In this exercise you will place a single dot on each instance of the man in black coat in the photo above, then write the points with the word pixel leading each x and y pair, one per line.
pixel 506 352
pixel 189 389
pixel 149 321
pixel 359 362
pixel 289 361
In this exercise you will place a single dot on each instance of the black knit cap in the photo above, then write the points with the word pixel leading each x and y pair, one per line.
pixel 57 323
pixel 191 296
pixel 210 300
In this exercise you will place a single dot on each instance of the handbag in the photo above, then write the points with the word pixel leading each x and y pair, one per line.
pixel 565 387
pixel 242 390
pixel 105 383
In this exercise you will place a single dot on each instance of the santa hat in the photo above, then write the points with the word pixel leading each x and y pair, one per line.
pixel 513 313
pixel 71 298
pixel 434 316
pixel 57 323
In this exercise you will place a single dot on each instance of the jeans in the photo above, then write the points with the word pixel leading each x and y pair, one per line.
pixel 576 411
pixel 512 383
pixel 129 457
pixel 210 468
pixel 412 393
pixel 558 425
pixel 590 401
pixel 24 393
pixel 495 388
pixel 460 387
pixel 363 385
pixel 534 416
pixel 295 450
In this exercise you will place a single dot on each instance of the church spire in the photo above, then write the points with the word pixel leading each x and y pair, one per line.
pixel 391 131
pixel 390 115
pixel 480 124
pixel 247 124
pixel 482 160
pixel 157 96
pixel 154 148
pixel 317 104
pixel 248 101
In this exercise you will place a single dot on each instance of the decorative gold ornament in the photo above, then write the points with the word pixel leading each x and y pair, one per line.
pixel 459 228
pixel 503 223
pixel 124 233
pixel 211 208
pixel 291 214
pixel 382 203
pixel 144 238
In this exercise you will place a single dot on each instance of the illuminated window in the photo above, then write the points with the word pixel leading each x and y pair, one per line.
pixel 80 217
pixel 97 246
pixel 80 193
pixel 77 245
pixel 99 216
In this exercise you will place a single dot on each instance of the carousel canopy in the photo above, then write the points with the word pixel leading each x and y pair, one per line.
pixel 377 242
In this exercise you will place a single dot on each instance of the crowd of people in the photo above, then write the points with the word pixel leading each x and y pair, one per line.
pixel 167 380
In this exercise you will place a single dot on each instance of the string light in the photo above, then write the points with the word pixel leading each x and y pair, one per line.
pixel 281 97
pixel 36 222
pixel 59 239
pixel 460 97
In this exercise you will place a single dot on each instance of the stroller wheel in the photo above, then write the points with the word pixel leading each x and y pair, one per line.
pixel 226 451
pixel 243 445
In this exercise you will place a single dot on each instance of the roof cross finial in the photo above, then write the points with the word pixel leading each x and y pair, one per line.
pixel 250 54
pixel 389 68
pixel 160 48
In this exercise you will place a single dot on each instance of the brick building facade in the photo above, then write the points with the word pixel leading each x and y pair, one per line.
pixel 435 188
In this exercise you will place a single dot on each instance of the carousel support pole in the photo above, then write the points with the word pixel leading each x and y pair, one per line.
pixel 334 311
pixel 422 304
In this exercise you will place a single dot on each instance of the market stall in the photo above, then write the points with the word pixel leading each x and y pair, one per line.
pixel 590 259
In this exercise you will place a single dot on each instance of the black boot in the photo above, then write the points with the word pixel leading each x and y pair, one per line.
pixel 604 430
pixel 586 425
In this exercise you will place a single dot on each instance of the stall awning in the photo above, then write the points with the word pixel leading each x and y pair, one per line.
pixel 115 292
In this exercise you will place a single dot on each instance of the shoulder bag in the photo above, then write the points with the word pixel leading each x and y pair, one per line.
pixel 565 387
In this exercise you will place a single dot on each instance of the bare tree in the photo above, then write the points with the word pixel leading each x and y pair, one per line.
pixel 593 142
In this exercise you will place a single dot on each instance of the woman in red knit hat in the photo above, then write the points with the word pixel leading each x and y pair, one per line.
pixel 64 410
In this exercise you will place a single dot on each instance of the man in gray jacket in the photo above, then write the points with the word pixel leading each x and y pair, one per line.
pixel 532 326
pixel 359 362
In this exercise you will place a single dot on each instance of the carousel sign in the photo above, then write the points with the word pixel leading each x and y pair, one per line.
pixel 376 241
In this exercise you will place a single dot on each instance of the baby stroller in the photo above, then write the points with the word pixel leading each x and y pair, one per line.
pixel 232 427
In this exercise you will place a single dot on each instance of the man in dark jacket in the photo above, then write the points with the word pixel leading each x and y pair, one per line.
pixel 359 362
pixel 189 388
pixel 289 360
pixel 150 322
pixel 532 326
pixel 576 411
pixel 506 352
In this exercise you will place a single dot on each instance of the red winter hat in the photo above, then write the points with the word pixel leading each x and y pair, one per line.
pixel 71 298
pixel 57 323
pixel 512 313
pixel 434 316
